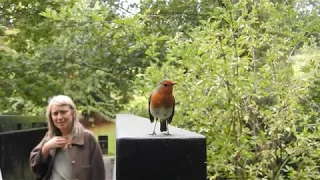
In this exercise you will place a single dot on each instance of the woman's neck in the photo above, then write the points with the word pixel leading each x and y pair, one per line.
pixel 65 133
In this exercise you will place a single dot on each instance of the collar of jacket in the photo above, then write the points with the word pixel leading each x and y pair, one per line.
pixel 78 140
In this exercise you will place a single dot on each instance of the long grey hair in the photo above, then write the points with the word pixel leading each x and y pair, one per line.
pixel 77 127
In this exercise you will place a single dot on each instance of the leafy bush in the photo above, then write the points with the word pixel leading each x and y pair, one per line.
pixel 236 85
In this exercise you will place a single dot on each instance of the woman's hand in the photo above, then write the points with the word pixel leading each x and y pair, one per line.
pixel 55 142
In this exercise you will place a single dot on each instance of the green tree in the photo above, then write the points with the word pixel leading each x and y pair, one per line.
pixel 236 85
pixel 72 47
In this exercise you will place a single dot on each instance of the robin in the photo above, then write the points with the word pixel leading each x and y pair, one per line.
pixel 161 105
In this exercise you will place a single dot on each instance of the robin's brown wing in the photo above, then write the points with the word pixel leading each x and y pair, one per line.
pixel 171 117
pixel 150 115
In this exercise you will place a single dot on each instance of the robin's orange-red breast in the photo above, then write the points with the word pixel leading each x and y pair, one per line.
pixel 161 105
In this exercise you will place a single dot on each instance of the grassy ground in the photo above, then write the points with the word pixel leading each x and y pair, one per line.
pixel 109 130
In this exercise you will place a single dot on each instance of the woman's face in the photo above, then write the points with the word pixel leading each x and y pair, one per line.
pixel 62 116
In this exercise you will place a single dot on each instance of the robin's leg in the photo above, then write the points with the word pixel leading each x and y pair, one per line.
pixel 154 128
pixel 168 133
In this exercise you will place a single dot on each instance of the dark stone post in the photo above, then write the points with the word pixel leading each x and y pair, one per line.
pixel 140 156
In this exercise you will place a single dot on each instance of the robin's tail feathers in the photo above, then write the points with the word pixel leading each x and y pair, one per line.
pixel 163 126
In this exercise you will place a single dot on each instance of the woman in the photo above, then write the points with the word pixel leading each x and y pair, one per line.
pixel 67 151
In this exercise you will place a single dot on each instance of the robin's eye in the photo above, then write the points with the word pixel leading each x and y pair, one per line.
pixel 165 84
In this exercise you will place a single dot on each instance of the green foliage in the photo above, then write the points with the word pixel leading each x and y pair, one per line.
pixel 79 49
pixel 236 85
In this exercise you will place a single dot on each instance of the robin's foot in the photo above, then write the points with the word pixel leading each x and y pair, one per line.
pixel 153 133
pixel 166 133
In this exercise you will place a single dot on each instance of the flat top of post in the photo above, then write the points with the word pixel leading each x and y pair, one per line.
pixel 136 127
